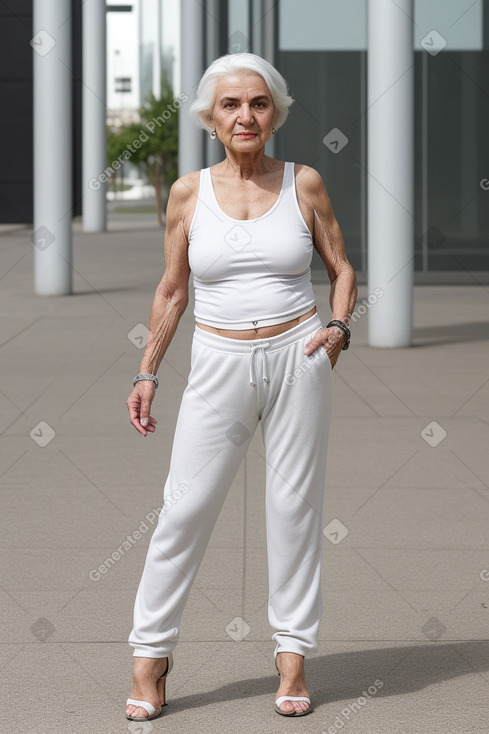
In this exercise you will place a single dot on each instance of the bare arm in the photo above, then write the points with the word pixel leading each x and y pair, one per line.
pixel 329 243
pixel 170 299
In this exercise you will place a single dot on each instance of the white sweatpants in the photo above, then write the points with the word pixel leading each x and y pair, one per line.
pixel 233 384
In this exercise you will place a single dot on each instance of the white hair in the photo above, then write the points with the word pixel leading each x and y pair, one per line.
pixel 201 108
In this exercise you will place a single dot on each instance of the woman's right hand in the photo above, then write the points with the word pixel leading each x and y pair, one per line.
pixel 139 406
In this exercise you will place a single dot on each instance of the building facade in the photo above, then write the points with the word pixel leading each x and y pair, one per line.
pixel 320 47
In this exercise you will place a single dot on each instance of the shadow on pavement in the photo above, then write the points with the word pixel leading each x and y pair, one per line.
pixel 344 676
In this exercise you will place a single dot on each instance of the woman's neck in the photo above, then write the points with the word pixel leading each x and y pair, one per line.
pixel 246 165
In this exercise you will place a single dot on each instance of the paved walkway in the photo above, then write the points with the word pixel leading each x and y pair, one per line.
pixel 404 638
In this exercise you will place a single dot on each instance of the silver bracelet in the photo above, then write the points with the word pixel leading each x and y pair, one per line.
pixel 145 376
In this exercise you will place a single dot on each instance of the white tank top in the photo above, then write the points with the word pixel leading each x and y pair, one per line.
pixel 250 272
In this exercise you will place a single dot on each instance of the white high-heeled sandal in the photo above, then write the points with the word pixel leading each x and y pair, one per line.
pixel 280 700
pixel 152 712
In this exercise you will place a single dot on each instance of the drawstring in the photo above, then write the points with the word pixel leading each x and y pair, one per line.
pixel 254 349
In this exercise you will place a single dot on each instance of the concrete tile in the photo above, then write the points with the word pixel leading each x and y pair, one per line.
pixel 405 517
pixel 409 570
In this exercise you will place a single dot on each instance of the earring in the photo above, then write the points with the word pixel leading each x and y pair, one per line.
pixel 213 135
pixel 273 131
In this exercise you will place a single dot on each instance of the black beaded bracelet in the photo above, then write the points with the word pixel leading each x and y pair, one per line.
pixel 344 328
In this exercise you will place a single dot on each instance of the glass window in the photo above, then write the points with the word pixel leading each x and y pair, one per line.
pixel 322 54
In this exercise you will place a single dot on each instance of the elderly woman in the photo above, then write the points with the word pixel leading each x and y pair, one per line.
pixel 246 229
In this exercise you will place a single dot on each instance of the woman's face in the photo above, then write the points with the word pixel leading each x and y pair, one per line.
pixel 243 112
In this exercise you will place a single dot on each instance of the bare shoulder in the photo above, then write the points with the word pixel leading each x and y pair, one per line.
pixel 312 195
pixel 308 181
pixel 183 199
pixel 185 188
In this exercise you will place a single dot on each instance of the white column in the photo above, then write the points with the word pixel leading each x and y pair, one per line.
pixel 390 171
pixel 268 52
pixel 214 152
pixel 191 145
pixel 94 145
pixel 52 235
pixel 157 52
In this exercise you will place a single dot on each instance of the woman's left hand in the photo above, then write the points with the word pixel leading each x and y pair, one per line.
pixel 331 339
